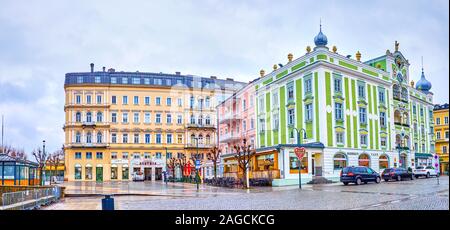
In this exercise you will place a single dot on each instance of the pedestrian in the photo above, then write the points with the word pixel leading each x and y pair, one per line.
pixel 165 176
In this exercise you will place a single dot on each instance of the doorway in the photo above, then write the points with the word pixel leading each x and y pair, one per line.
pixel 158 173
pixel 147 173
pixel 99 174
pixel 313 167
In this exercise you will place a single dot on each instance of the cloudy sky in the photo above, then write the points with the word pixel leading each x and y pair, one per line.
pixel 41 40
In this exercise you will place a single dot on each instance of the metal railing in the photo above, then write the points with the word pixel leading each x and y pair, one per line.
pixel 29 199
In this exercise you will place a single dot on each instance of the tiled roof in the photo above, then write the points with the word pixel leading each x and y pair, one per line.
pixel 7 158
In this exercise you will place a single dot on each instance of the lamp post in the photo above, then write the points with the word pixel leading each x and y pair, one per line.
pixel 299 142
pixel 197 177
pixel 44 161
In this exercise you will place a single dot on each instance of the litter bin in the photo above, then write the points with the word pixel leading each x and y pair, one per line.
pixel 108 203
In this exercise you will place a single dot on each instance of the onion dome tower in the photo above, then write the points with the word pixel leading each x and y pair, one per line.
pixel 423 84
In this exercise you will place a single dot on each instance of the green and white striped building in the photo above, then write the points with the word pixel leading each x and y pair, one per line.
pixel 353 113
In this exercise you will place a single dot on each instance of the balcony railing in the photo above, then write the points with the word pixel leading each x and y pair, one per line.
pixel 87 145
pixel 229 137
pixel 210 126
pixel 194 145
pixel 229 117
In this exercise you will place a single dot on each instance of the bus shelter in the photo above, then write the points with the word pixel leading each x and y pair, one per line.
pixel 14 171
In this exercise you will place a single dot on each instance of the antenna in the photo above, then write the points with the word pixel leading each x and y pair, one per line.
pixel 422 64
pixel 3 148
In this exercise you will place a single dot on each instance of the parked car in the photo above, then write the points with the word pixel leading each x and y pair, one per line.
pixel 358 175
pixel 397 174
pixel 138 176
pixel 426 171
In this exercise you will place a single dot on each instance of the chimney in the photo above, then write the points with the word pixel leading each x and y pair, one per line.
pixel 104 69
pixel 111 70
pixel 213 77
pixel 230 79
pixel 92 67
pixel 178 73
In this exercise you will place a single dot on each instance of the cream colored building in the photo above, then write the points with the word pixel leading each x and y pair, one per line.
pixel 118 123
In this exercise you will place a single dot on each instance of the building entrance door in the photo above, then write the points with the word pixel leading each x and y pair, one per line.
pixel 148 174
pixel 403 161
pixel 99 174
pixel 313 168
pixel 158 173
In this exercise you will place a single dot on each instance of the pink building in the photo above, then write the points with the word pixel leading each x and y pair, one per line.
pixel 236 116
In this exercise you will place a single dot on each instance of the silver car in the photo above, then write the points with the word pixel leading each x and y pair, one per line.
pixel 426 171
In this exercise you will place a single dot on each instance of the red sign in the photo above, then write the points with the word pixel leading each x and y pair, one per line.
pixel 300 152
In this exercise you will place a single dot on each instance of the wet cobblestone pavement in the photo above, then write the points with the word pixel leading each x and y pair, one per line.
pixel 420 194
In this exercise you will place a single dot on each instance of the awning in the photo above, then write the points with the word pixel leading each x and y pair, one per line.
pixel 424 155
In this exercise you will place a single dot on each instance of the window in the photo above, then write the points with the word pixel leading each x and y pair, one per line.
pixel 99 155
pixel 168 155
pixel 414 109
pixel 78 137
pixel 308 86
pixel 291 117
pixel 125 138
pixel 136 138
pixel 363 139
pixel 114 172
pixel 244 125
pixel 294 163
pixel 381 97
pixel 179 119
pixel 158 81
pixel 99 137
pixel 337 85
pixel 361 91
pixel 362 116
pixel 191 102
pixel 438 121
pixel 180 139
pixel 200 120
pixel 438 135
pixel 158 118
pixel 99 116
pixel 339 114
pixel 446 120
pixel 78 117
pixel 136 156
pixel 113 80
pixel 136 100
pixel 136 81
pixel 88 172
pixel 136 117
pixel 169 139
pixel 208 103
pixel 262 126
pixel 169 119
pixel 339 161
pixel 125 100
pixel 147 100
pixel 192 119
pixel 309 112
pixel 169 101
pixel 158 101
pixel 446 134
pixel 275 100
pixel 147 138
pixel 125 172
pixel 421 112
pixel 78 99
pixel 124 80
pixel 208 120
pixel 291 92
pixel 89 137
pixel 444 149
pixel 114 100
pixel 88 155
pixel 340 138
pixel 77 172
pixel 252 123
pixel 364 160
pixel 114 117
pixel 383 119
pixel 158 155
pixel 158 138
pixel 77 155
pixel 88 99
pixel 383 162
pixel 114 138
pixel 79 81
pixel 276 121
pixel 88 117
pixel 180 102
pixel 147 81
pixel 99 99
pixel 125 155
pixel 261 104
pixel 383 142
pixel 147 118
pixel 125 117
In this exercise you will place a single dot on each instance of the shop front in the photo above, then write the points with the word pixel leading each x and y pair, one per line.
pixel 424 159
pixel 151 168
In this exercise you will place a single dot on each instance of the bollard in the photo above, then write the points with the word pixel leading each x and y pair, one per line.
pixel 108 203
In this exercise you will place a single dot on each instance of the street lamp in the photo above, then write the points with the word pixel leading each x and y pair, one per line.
pixel 44 160
pixel 299 142
pixel 197 177
pixel 399 146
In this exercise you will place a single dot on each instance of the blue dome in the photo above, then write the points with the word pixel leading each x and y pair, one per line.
pixel 423 84
pixel 321 39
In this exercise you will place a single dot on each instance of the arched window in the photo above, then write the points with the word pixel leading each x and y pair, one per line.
pixel 78 137
pixel 207 102
pixel 339 161
pixel 200 103
pixel 200 139
pixel 397 117
pixel 77 172
pixel 78 117
pixel 193 139
pixel 404 94
pixel 208 139
pixel 99 137
pixel 396 90
pixel 88 117
pixel 99 116
pixel 398 140
pixel 208 120
pixel 89 137
pixel 200 120
pixel 383 162
pixel 191 102
pixel 405 118
pixel 192 119
pixel 364 160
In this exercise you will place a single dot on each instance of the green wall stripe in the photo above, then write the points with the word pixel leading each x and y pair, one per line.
pixel 316 99
pixel 299 104
pixel 355 120
pixel 329 115
pixel 370 72
pixel 298 66
pixel 268 122
pixel 377 122
pixel 321 57
pixel 282 74
pixel 370 104
pixel 268 81
pixel 348 65
pixel 283 114
pixel 347 106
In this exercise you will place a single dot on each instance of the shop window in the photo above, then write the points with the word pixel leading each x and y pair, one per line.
pixel 339 161
pixel 88 172
pixel 364 160
pixel 383 162
pixel 77 172
pixel 265 162
pixel 125 172
pixel 293 163
pixel 114 172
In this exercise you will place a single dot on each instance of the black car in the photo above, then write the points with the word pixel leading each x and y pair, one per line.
pixel 358 175
pixel 397 174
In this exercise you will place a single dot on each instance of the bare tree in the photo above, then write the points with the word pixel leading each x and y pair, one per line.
pixel 172 163
pixel 183 162
pixel 13 152
pixel 53 161
pixel 214 155
pixel 41 158
pixel 244 154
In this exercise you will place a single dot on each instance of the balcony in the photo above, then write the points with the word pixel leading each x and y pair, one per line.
pixel 85 105
pixel 228 137
pixel 228 117
pixel 200 146
pixel 202 126
pixel 87 145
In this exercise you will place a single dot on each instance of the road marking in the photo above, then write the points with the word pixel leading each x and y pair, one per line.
pixel 395 201
pixel 376 205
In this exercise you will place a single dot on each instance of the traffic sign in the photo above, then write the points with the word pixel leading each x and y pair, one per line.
pixel 300 152
pixel 197 164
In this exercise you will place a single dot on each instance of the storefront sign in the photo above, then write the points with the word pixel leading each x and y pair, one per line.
pixel 119 161
pixel 146 163
pixel 300 152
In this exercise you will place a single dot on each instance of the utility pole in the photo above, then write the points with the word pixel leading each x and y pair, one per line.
pixel 3 147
